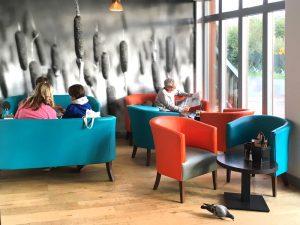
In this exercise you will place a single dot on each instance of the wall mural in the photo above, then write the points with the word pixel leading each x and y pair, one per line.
pixel 111 53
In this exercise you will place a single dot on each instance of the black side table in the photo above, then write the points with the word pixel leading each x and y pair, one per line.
pixel 233 160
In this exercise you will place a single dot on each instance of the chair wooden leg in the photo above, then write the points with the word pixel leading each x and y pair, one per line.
pixel 109 170
pixel 215 176
pixel 130 139
pixel 79 167
pixel 274 184
pixel 228 175
pixel 157 180
pixel 285 179
pixel 134 152
pixel 181 189
pixel 148 157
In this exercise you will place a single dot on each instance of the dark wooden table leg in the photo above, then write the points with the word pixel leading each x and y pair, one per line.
pixel 215 176
pixel 245 187
pixel 228 175
pixel 109 171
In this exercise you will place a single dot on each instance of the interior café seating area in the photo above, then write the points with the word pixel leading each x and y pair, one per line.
pixel 145 112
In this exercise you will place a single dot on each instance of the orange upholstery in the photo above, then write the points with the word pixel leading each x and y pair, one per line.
pixel 136 99
pixel 172 135
pixel 220 120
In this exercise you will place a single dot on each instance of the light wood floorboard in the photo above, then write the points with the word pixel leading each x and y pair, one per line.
pixel 63 196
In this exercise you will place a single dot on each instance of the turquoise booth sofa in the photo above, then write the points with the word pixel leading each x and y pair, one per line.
pixel 33 143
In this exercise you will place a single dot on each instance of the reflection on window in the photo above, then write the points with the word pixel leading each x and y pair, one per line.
pixel 251 3
pixel 278 63
pixel 254 71
pixel 212 64
pixel 211 7
pixel 231 62
pixel 230 5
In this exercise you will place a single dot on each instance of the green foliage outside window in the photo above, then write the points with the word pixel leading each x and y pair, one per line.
pixel 255 46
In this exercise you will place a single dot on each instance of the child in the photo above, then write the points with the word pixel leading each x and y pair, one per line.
pixel 80 103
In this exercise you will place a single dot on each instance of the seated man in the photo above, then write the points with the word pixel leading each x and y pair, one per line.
pixel 165 99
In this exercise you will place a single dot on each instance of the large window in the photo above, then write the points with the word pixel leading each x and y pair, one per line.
pixel 244 57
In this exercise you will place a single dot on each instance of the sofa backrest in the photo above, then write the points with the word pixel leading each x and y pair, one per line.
pixel 62 100
pixel 35 143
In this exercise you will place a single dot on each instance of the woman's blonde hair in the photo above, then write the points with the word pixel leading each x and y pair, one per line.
pixel 43 93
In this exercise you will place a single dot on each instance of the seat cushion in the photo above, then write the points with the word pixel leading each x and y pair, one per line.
pixel 198 162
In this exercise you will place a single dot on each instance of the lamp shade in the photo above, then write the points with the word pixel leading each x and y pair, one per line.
pixel 116 6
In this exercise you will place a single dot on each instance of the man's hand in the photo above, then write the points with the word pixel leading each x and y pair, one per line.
pixel 186 109
pixel 190 95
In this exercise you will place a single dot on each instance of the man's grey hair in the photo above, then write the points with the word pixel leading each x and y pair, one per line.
pixel 169 82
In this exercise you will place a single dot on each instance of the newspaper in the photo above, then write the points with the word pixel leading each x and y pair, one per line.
pixel 192 101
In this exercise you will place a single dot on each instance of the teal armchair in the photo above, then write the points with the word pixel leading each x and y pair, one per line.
pixel 141 132
pixel 276 130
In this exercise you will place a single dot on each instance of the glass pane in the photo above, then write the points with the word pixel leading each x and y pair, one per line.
pixel 211 7
pixel 231 62
pixel 251 3
pixel 254 53
pixel 230 5
pixel 278 63
pixel 276 1
pixel 211 56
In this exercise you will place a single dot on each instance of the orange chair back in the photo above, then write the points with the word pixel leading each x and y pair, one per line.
pixel 136 99
pixel 220 120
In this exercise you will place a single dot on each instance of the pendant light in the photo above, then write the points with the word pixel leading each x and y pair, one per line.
pixel 116 6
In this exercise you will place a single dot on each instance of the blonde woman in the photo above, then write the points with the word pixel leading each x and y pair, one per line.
pixel 39 105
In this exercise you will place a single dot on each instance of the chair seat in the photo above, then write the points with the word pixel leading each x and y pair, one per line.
pixel 198 162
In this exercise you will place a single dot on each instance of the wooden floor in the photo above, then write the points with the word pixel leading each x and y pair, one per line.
pixel 62 196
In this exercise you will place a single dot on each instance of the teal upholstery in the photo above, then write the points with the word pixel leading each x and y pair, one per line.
pixel 276 130
pixel 62 100
pixel 139 117
pixel 34 143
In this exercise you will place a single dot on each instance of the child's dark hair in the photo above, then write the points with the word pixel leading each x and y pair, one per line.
pixel 76 91
pixel 41 79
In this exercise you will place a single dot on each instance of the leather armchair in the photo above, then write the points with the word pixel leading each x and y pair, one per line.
pixel 180 153
pixel 220 120
pixel 135 99
pixel 141 131
pixel 275 129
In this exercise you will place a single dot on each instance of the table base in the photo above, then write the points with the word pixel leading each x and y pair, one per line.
pixel 256 203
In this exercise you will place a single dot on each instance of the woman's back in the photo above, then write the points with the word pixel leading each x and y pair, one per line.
pixel 43 112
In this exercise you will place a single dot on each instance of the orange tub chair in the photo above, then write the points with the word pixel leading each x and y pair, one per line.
pixel 185 148
pixel 220 120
